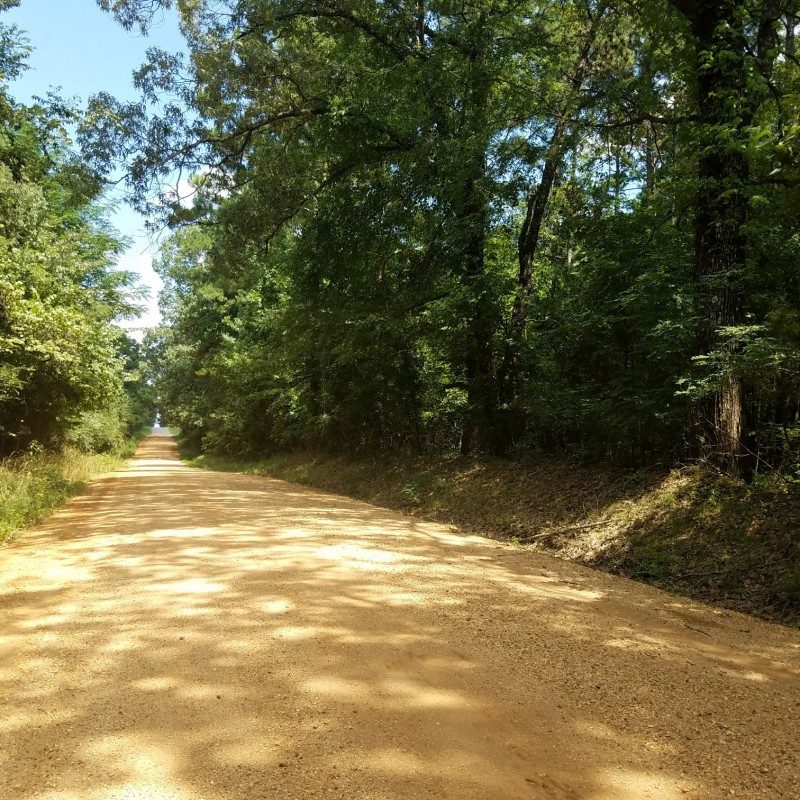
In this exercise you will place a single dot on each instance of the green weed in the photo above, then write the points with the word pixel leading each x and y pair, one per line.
pixel 31 486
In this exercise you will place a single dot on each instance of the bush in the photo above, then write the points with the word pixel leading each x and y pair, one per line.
pixel 98 432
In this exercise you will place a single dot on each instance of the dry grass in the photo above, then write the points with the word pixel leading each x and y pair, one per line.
pixel 31 486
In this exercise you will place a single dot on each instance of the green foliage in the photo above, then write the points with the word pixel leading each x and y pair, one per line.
pixel 97 432
pixel 63 371
pixel 504 227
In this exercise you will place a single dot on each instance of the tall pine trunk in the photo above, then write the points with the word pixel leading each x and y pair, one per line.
pixel 511 423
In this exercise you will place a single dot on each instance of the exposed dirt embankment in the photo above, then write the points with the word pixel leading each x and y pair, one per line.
pixel 703 536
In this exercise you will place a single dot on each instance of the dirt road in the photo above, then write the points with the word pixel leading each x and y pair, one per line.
pixel 175 633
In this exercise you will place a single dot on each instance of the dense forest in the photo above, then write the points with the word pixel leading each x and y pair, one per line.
pixel 567 226
pixel 68 375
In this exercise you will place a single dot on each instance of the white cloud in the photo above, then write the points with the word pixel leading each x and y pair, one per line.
pixel 137 259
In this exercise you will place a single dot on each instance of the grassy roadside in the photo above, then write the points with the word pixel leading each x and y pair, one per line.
pixel 699 535
pixel 34 485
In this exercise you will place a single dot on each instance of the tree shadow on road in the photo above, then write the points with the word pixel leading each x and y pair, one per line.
pixel 181 633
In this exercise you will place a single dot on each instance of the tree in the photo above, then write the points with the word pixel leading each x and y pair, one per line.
pixel 59 294
pixel 735 47
pixel 472 226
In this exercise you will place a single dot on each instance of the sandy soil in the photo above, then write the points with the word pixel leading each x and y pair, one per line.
pixel 175 633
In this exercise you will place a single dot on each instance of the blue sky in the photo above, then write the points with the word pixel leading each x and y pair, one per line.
pixel 83 50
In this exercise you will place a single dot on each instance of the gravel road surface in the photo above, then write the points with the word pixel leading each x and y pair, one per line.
pixel 174 633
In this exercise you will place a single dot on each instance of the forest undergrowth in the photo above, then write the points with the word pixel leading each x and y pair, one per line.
pixel 686 530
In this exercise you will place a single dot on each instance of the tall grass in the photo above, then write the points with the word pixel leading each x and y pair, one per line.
pixel 33 485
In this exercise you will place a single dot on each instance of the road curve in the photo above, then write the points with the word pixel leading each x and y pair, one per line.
pixel 179 634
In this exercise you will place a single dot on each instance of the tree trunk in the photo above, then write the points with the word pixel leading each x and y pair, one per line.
pixel 539 197
pixel 723 169
pixel 420 24
pixel 650 162
pixel 528 241
pixel 480 425
pixel 512 424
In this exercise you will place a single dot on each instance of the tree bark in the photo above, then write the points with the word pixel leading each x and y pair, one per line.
pixel 480 425
pixel 718 422
pixel 528 241
pixel 539 197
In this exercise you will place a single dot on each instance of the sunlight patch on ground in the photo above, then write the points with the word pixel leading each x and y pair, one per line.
pixel 396 694
pixel 297 633
pixel 155 684
pixel 192 586
pixel 414 695
pixel 294 533
pixel 643 645
pixel 193 612
pixel 397 761
pixel 49 621
pixel 277 607
pixel 150 768
pixel 121 644
pixel 253 753
pixel 403 598
pixel 334 687
pixel 63 573
pixel 351 552
pixel 182 533
pixel 131 792
pixel 35 716
pixel 205 692
pixel 127 792
pixel 758 677
pixel 148 470
pixel 622 784
pixel 107 552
